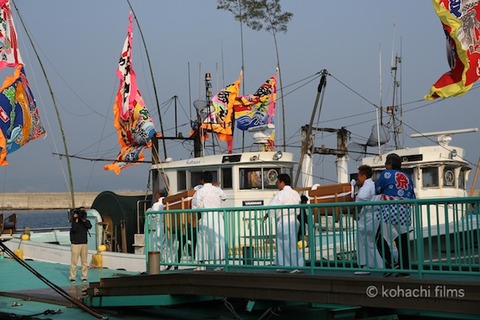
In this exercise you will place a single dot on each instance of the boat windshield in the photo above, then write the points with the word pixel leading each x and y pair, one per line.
pixel 449 177
pixel 430 177
pixel 259 178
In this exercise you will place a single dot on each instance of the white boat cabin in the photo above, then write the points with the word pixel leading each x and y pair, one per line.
pixel 248 178
pixel 437 171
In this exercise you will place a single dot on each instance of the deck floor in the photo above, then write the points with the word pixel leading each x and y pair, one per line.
pixel 433 294
pixel 184 293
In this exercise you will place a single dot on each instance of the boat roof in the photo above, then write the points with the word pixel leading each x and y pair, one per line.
pixel 226 160
pixel 425 155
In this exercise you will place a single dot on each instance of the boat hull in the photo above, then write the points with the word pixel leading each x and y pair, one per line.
pixel 55 253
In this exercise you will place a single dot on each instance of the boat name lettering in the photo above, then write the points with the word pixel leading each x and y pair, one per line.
pixel 251 203
pixel 193 161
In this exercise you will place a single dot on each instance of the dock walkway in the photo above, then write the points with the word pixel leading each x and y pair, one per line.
pixel 434 294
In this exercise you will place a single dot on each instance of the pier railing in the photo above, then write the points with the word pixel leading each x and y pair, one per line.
pixel 443 236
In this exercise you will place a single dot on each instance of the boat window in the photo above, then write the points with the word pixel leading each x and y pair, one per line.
pixel 410 172
pixel 251 178
pixel 181 180
pixel 195 177
pixel 227 178
pixel 461 179
pixel 163 183
pixel 270 178
pixel 430 177
pixel 288 171
pixel 449 177
pixel 259 178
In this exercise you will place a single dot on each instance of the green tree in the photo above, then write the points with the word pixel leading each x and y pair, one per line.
pixel 262 15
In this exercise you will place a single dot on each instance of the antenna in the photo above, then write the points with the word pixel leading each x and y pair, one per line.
pixel 443 133
pixel 395 109
pixel 377 110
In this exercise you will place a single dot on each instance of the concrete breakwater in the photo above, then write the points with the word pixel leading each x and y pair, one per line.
pixel 48 200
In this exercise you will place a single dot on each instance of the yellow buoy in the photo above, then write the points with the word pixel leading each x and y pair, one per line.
pixel 97 261
pixel 302 244
pixel 18 253
pixel 25 237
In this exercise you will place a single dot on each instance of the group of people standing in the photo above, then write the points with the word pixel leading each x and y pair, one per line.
pixel 207 238
pixel 209 232
pixel 382 240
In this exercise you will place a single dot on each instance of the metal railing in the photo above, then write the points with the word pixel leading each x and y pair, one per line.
pixel 443 237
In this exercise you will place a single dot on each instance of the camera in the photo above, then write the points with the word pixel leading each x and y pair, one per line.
pixel 75 213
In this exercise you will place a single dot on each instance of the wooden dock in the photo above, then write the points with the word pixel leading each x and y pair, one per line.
pixel 331 290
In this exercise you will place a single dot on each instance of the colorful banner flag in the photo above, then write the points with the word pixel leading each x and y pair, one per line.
pixel 9 54
pixel 220 117
pixel 131 118
pixel 460 20
pixel 258 109
pixel 19 118
pixel 270 145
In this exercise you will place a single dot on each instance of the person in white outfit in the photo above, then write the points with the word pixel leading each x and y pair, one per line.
pixel 158 238
pixel 367 223
pixel 210 245
pixel 287 226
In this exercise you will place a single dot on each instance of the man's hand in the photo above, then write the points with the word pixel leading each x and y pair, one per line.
pixel 265 217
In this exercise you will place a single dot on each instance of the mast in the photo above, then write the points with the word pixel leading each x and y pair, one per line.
pixel 175 98
pixel 243 64
pixel 379 109
pixel 54 100
pixel 208 98
pixel 306 142
pixel 395 108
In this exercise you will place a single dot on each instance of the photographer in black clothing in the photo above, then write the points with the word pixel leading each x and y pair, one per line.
pixel 78 240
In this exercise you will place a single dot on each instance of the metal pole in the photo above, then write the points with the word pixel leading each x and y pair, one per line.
pixel 305 144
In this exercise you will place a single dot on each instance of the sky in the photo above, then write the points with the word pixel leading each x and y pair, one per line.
pixel 79 44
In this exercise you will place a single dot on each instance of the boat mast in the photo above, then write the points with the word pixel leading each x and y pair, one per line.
pixel 208 98
pixel 378 110
pixel 54 100
pixel 306 143
pixel 395 108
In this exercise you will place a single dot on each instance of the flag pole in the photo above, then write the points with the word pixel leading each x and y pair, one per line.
pixel 64 139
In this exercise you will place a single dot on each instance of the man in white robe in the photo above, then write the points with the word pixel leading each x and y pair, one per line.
pixel 211 227
pixel 287 224
pixel 158 237
pixel 367 223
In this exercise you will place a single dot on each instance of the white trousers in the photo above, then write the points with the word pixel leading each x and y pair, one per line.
pixel 367 226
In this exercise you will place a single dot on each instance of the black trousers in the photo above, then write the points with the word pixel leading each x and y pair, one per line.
pixel 190 234
pixel 303 220
pixel 402 244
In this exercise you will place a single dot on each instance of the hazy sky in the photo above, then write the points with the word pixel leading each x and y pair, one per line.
pixel 79 43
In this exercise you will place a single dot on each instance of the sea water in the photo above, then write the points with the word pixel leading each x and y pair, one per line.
pixel 40 218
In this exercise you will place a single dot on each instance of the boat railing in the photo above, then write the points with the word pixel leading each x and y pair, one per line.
pixel 443 237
